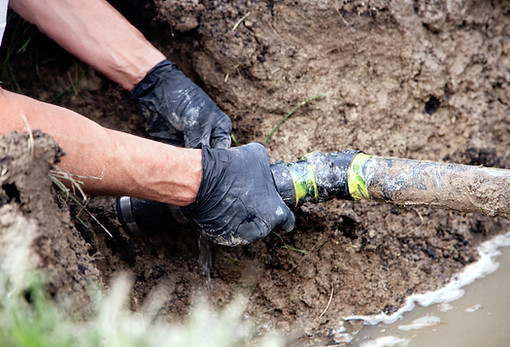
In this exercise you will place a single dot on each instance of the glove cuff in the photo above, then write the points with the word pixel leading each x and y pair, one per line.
pixel 214 161
pixel 206 159
pixel 152 78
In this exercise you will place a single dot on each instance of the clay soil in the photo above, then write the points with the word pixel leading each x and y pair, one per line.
pixel 415 79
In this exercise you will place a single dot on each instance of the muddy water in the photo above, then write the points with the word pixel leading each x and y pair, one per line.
pixel 474 315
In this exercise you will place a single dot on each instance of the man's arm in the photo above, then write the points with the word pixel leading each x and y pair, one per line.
pixel 126 164
pixel 177 110
pixel 94 32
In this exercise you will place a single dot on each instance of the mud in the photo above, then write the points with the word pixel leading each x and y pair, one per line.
pixel 411 79
pixel 28 202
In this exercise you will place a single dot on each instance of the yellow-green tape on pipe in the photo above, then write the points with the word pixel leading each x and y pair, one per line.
pixel 304 183
pixel 357 186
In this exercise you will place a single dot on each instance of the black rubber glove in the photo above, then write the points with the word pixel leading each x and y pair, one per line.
pixel 237 201
pixel 178 112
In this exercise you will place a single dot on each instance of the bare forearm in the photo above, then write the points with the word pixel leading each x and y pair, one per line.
pixel 125 164
pixel 96 33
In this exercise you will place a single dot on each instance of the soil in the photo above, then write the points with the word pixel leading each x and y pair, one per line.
pixel 414 79
pixel 28 202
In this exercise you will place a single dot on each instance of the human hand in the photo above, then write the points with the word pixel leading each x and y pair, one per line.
pixel 237 202
pixel 179 112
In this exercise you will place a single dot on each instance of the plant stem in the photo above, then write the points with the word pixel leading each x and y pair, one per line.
pixel 301 104
pixel 234 140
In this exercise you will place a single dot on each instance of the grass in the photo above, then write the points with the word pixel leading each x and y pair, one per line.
pixel 57 176
pixel 21 36
pixel 70 90
pixel 289 249
pixel 234 140
pixel 301 104
pixel 40 322
pixel 28 317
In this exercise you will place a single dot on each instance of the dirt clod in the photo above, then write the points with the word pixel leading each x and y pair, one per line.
pixel 28 200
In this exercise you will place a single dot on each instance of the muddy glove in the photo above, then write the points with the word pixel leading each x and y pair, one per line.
pixel 178 112
pixel 237 201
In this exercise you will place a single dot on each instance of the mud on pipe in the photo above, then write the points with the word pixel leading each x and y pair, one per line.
pixel 406 182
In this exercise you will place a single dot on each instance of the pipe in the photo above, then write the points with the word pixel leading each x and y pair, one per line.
pixel 354 175
pixel 440 185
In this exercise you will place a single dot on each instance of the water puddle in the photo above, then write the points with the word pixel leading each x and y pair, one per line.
pixel 463 313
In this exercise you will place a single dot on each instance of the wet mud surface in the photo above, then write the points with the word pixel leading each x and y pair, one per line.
pixel 413 79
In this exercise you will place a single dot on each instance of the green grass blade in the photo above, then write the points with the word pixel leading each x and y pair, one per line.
pixel 234 140
pixel 301 104
pixel 291 248
pixel 26 43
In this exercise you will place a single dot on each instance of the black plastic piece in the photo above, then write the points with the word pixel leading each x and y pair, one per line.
pixel 284 183
pixel 340 163
pixel 140 215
